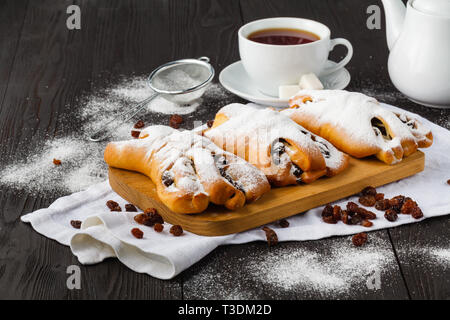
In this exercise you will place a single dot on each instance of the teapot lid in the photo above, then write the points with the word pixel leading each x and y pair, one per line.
pixel 434 7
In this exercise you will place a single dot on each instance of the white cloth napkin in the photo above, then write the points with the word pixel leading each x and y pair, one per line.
pixel 107 234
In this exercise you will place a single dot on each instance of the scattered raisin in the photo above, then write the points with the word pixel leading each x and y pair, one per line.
pixel 272 238
pixel 396 203
pixel 352 207
pixel 130 207
pixel 359 239
pixel 210 123
pixel 345 217
pixel 327 214
pixel 448 181
pixel 356 219
pixel 158 227
pixel 337 213
pixel 367 223
pixel 111 204
pixel 176 230
pixel 284 223
pixel 382 205
pixel 369 191
pixel 175 121
pixel 167 178
pixel 140 124
pixel 408 206
pixel 137 233
pixel 368 200
pixel 135 134
pixel 149 217
pixel 366 214
pixel 76 224
pixel 56 162
pixel 391 215
pixel 379 196
pixel 417 213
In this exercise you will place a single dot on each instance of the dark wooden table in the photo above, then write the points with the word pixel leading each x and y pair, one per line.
pixel 42 60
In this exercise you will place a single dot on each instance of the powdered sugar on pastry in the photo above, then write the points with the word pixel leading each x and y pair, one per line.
pixel 357 124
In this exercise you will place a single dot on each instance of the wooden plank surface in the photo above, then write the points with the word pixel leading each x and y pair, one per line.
pixel 44 68
pixel 277 204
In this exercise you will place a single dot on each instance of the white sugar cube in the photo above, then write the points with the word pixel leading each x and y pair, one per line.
pixel 285 92
pixel 310 81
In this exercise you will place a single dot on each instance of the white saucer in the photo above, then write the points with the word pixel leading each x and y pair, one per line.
pixel 235 79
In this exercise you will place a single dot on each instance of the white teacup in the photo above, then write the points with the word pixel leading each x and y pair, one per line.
pixel 270 66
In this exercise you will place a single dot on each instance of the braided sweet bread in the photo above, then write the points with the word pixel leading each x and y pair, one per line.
pixel 189 171
pixel 358 124
pixel 286 152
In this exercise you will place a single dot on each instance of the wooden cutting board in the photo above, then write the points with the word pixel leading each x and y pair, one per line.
pixel 277 204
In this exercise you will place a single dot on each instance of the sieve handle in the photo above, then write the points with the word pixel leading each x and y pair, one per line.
pixel 105 131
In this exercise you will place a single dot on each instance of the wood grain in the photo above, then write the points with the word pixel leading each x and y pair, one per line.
pixel 278 203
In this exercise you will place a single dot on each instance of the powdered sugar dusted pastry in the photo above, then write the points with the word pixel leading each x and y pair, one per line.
pixel 358 124
pixel 286 152
pixel 188 170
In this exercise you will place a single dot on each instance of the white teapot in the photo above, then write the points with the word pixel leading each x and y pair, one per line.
pixel 418 38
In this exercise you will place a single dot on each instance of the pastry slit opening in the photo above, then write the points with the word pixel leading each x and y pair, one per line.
pixel 380 128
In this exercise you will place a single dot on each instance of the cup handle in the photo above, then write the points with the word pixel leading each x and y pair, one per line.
pixel 343 62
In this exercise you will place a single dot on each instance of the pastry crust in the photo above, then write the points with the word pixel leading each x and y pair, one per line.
pixel 286 152
pixel 358 124
pixel 188 170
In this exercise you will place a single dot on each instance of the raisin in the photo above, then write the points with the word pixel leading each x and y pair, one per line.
pixel 130 207
pixel 137 233
pixel 366 214
pixel 345 217
pixel 175 121
pixel 391 215
pixel 366 223
pixel 76 224
pixel 408 206
pixel 417 213
pixel 379 196
pixel 140 124
pixel 158 227
pixel 149 217
pixel 356 219
pixel 272 238
pixel 337 213
pixel 56 162
pixel 284 223
pixel 448 181
pixel 327 214
pixel 111 204
pixel 396 203
pixel 382 205
pixel 369 191
pixel 176 230
pixel 368 201
pixel 167 179
pixel 352 207
pixel 135 134
pixel 210 123
pixel 359 239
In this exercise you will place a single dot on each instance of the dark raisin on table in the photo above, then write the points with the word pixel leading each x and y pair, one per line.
pixel 382 205
pixel 369 191
pixel 417 213
pixel 327 215
pixel 379 196
pixel 283 223
pixel 111 204
pixel 359 239
pixel 367 223
pixel 391 215
pixel 271 236
pixel 352 207
pixel 367 200
pixel 149 217
pixel 139 125
pixel 130 207
pixel 448 181
pixel 158 227
pixel 176 230
pixel 337 211
pixel 408 206
pixel 366 213
pixel 345 217
pixel 137 233
pixel 57 162
pixel 135 134
pixel 396 203
pixel 76 224
pixel 175 121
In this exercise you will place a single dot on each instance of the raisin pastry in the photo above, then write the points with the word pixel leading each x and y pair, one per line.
pixel 358 124
pixel 189 171
pixel 285 151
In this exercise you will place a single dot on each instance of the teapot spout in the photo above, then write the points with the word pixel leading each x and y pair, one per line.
pixel 394 11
